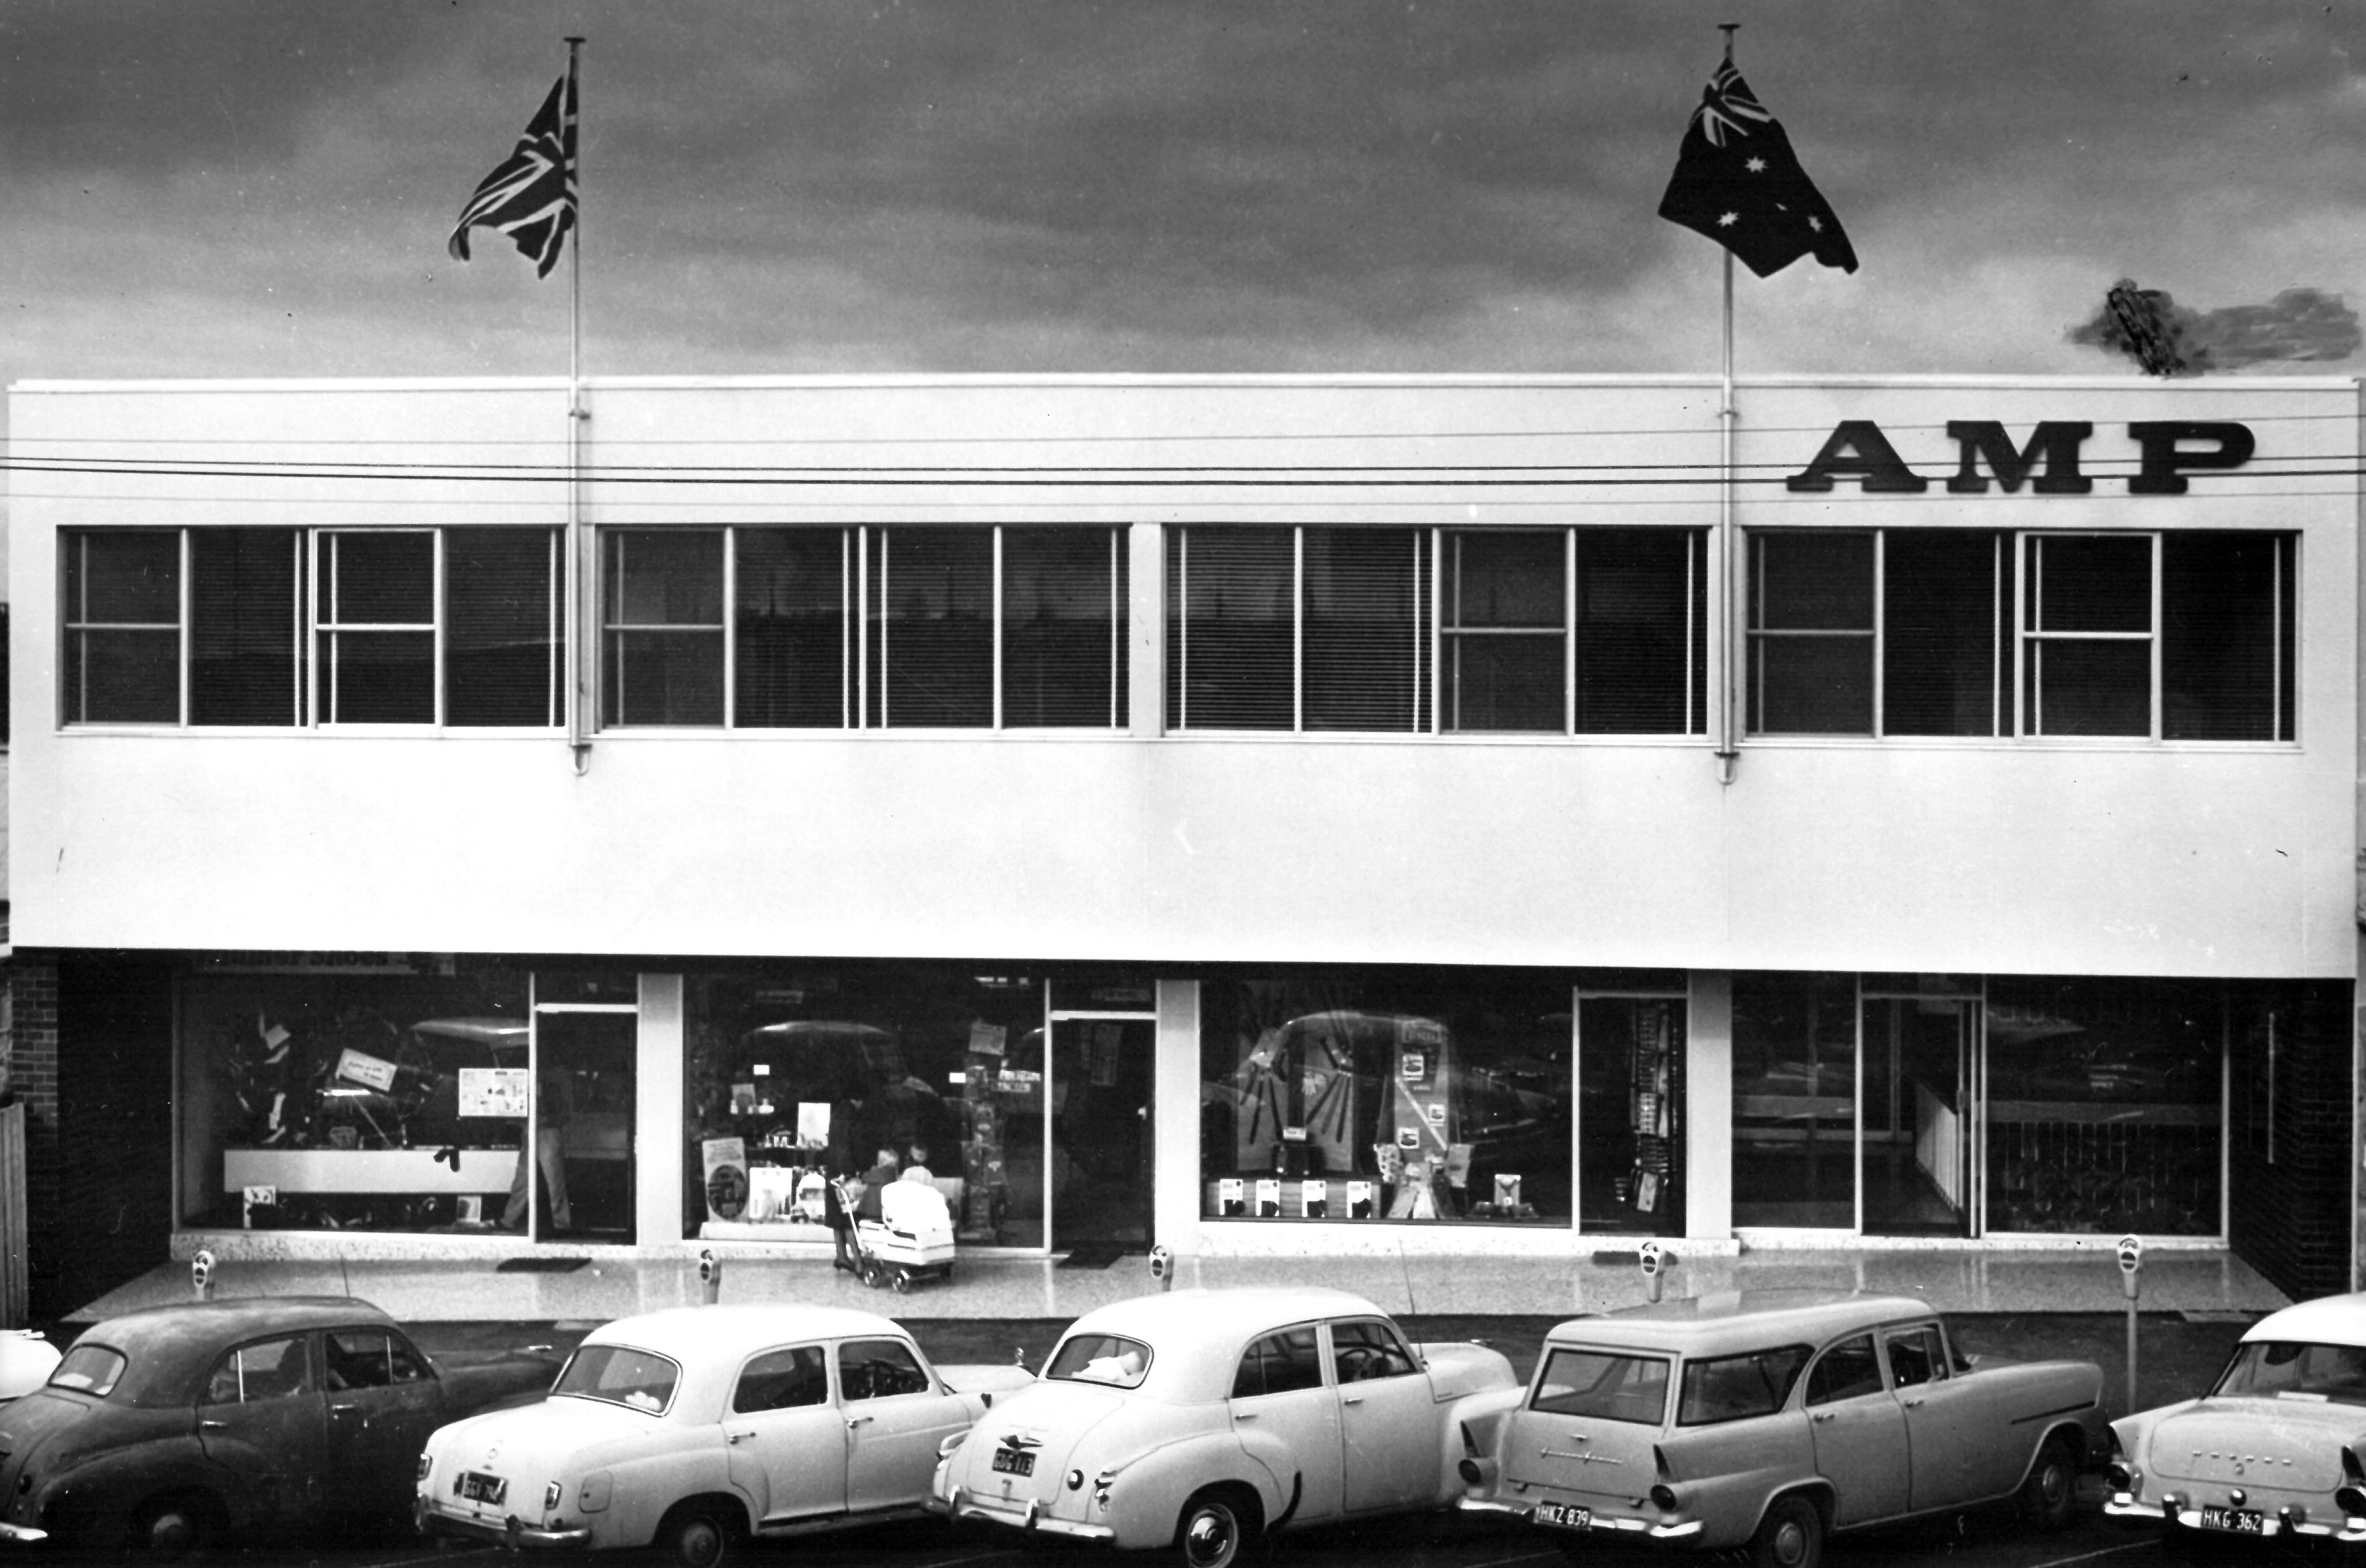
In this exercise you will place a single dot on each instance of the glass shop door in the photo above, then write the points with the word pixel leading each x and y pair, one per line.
pixel 1100 1084
pixel 578 1185
pixel 1920 1115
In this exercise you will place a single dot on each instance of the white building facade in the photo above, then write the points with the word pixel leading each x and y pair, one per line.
pixel 1255 814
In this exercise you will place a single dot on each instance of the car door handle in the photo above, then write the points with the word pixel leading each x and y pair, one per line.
pixel 854 1421
pixel 345 1412
pixel 1245 1415
pixel 1352 1399
pixel 1911 1404
pixel 212 1426
pixel 739 1437
pixel 1820 1416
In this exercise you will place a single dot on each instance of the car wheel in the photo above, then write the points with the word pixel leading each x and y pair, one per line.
pixel 694 1536
pixel 902 1282
pixel 2052 1485
pixel 170 1527
pixel 1790 1536
pixel 1219 1527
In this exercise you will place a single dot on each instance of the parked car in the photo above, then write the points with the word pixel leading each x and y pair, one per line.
pixel 2273 1448
pixel 27 1359
pixel 232 1420
pixel 1204 1420
pixel 695 1427
pixel 1769 1419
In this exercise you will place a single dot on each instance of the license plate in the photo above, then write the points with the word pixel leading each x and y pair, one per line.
pixel 474 1487
pixel 1013 1461
pixel 1564 1516
pixel 2241 1521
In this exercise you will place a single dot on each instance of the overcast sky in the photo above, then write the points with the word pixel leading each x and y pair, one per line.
pixel 229 187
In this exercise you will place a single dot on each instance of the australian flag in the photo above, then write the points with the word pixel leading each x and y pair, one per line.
pixel 531 197
pixel 1738 182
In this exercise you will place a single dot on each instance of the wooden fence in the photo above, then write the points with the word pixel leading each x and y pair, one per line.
pixel 16 1269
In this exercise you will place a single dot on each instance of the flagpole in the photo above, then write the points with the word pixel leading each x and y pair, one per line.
pixel 580 608
pixel 1728 755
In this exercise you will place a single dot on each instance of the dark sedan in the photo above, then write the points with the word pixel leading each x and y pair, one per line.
pixel 236 1420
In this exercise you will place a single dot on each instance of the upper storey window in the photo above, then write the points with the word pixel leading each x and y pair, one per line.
pixel 1930 631
pixel 898 627
pixel 1425 631
pixel 283 627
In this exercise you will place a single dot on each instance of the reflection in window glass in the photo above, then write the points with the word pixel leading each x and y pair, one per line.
pixel 619 1374
pixel 1603 1385
pixel 1100 1358
pixel 1794 1100
pixel 90 1369
pixel 1916 1356
pixel 2286 1369
pixel 798 1073
pixel 1408 1093
pixel 283 1073
pixel 2104 1104
pixel 1630 1054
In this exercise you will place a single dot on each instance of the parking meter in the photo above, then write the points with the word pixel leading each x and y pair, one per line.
pixel 2130 1276
pixel 1162 1267
pixel 201 1273
pixel 710 1274
pixel 1653 1261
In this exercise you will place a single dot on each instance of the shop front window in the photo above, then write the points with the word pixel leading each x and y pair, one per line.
pixel 2105 1106
pixel 797 1075
pixel 388 1101
pixel 1348 1095
pixel 1794 1100
pixel 1630 1086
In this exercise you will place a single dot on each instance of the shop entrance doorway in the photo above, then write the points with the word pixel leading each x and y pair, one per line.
pixel 578 1186
pixel 1918 1149
pixel 1101 1087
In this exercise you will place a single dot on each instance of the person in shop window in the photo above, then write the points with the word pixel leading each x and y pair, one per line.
pixel 916 1164
pixel 554 1095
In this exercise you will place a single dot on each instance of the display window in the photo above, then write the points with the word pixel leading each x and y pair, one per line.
pixel 1024 1097
pixel 2105 1105
pixel 1350 1095
pixel 386 1100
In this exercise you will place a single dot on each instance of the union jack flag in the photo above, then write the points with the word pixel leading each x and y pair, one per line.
pixel 1738 182
pixel 531 197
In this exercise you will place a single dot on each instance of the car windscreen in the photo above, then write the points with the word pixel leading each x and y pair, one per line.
pixel 2285 1369
pixel 1734 1388
pixel 89 1369
pixel 1100 1358
pixel 638 1380
pixel 1605 1385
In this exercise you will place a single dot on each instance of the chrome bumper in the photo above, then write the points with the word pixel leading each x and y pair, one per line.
pixel 2124 1509
pixel 1490 1508
pixel 23 1535
pixel 513 1533
pixel 1031 1518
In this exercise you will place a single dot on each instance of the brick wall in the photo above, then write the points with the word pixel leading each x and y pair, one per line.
pixel 2288 1216
pixel 92 1062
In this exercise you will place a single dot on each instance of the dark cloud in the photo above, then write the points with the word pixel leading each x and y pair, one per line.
pixel 2298 326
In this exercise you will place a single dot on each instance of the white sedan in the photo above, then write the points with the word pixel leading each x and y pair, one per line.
pixel 2273 1448
pixel 696 1427
pixel 1205 1419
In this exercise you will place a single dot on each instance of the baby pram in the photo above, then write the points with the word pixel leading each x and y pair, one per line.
pixel 913 1237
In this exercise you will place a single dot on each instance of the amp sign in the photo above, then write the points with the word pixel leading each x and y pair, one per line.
pixel 2166 450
